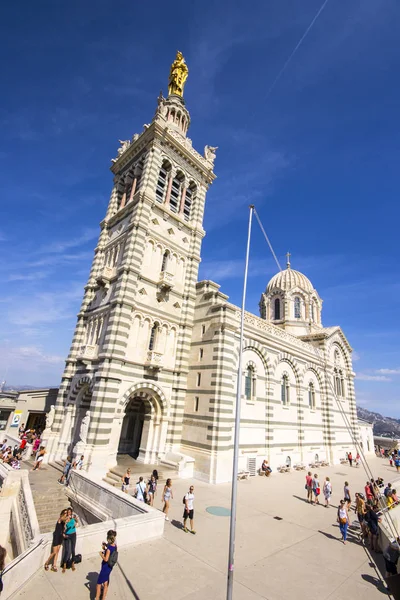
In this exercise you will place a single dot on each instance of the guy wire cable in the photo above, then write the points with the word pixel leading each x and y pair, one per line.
pixel 392 526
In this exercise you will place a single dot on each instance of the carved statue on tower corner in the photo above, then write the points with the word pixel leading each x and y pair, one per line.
pixel 210 153
pixel 178 75
pixel 50 417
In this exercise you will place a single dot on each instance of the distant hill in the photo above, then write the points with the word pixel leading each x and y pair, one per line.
pixel 384 426
pixel 22 388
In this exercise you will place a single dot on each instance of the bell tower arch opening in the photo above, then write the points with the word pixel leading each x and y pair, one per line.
pixel 143 430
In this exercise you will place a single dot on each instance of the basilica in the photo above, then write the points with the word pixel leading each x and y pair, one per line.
pixel 153 365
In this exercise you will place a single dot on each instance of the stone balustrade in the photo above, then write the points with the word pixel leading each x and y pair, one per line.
pixel 166 280
pixel 88 352
pixel 154 360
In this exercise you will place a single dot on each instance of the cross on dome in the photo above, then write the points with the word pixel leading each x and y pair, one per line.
pixel 288 255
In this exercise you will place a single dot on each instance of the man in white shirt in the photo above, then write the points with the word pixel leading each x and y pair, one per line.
pixel 189 510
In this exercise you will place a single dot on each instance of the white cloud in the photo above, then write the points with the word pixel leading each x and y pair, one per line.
pixel 27 357
pixel 60 247
pixel 366 377
pixel 28 276
pixel 388 371
pixel 218 270
pixel 355 356
pixel 48 307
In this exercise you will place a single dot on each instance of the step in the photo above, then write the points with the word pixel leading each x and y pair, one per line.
pixel 111 481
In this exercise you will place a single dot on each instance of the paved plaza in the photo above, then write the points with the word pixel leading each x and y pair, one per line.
pixel 297 555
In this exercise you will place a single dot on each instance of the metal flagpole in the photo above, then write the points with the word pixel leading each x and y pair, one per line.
pixel 232 529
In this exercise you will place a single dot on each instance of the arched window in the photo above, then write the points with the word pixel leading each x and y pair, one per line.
pixel 288 461
pixel 342 392
pixel 153 336
pixel 162 181
pixel 176 190
pixel 285 388
pixel 165 261
pixel 277 309
pixel 189 197
pixel 297 308
pixel 311 396
pixel 250 383
pixel 312 311
pixel 337 383
pixel 336 356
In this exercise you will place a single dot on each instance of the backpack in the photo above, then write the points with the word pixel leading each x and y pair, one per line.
pixel 184 500
pixel 113 559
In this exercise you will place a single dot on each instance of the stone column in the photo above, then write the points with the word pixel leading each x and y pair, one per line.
pixel 168 193
pixel 182 199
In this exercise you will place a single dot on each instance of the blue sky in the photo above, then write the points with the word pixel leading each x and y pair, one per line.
pixel 318 156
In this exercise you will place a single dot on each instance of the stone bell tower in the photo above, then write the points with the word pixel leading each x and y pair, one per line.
pixel 125 379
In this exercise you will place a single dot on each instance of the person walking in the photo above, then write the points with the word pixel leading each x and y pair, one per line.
pixel 78 464
pixel 109 557
pixel 58 538
pixel 36 445
pixel 141 490
pixel 39 458
pixel 188 511
pixel 327 489
pixel 350 459
pixel 167 496
pixel 151 489
pixel 126 479
pixel 397 463
pixel 69 540
pixel 372 520
pixel 343 519
pixel 316 488
pixel 66 470
pixel 308 486
pixel 360 511
pixel 358 459
pixel 368 491
pixel 347 495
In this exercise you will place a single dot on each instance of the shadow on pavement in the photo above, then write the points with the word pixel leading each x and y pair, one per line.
pixel 306 501
pixel 130 586
pixel 378 583
pixel 177 524
pixel 91 583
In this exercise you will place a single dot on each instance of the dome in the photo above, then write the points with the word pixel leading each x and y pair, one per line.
pixel 289 279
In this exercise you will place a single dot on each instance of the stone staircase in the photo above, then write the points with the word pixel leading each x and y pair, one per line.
pixel 113 477
pixel 49 496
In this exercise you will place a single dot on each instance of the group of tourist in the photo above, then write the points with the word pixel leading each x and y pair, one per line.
pixel 147 492
pixel 368 508
pixel 64 535
pixel 70 464
pixel 10 456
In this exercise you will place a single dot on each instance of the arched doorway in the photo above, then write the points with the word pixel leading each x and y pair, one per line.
pixel 143 431
pixel 132 426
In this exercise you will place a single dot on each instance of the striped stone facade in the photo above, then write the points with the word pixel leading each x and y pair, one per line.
pixel 321 427
pixel 129 359
pixel 152 369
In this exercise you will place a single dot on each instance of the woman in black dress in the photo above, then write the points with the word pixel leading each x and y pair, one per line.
pixel 58 537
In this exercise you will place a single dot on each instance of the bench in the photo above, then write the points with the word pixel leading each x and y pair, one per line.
pixel 300 467
pixel 284 469
pixel 243 475
pixel 266 473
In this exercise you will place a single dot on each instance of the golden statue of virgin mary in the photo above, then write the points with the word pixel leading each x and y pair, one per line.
pixel 178 75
